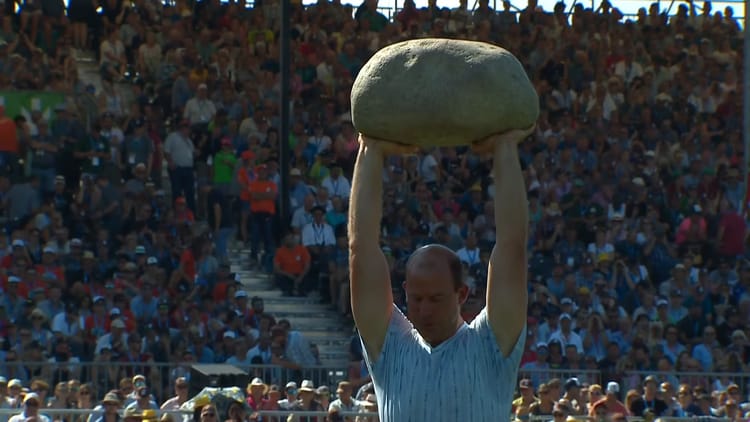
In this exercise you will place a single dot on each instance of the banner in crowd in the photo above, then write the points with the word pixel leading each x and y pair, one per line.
pixel 24 102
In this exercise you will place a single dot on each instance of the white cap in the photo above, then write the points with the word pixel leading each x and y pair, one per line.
pixel 565 315
pixel 613 387
pixel 115 311
pixel 230 334
pixel 20 243
pixel 240 294
pixel 662 302
pixel 152 260
pixel 118 323
pixel 566 301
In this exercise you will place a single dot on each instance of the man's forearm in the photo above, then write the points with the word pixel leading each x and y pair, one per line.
pixel 365 207
pixel 511 206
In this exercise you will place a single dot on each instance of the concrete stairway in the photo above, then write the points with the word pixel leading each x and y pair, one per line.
pixel 319 324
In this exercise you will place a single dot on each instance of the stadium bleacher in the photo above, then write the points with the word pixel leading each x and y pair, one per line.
pixel 135 138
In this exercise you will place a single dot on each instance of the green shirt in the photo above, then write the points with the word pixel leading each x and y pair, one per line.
pixel 224 162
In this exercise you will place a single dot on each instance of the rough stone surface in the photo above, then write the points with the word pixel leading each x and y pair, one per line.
pixel 440 92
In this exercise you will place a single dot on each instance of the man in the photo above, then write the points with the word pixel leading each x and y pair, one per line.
pixel 263 193
pixel 291 265
pixel 319 239
pixel 179 151
pixel 181 391
pixel 397 349
pixel 31 404
pixel 110 405
pixel 521 406
pixel 610 401
pixel 345 402
pixel 649 401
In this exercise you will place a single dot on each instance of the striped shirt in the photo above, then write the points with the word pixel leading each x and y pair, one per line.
pixel 465 378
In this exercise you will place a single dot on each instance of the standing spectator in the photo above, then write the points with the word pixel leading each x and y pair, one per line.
pixel 263 195
pixel 179 151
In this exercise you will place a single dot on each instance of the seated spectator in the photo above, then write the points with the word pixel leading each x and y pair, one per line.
pixel 292 264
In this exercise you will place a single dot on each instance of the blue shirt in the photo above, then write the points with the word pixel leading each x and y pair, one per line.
pixel 416 382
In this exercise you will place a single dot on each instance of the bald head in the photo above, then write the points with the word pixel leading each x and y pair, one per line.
pixel 437 258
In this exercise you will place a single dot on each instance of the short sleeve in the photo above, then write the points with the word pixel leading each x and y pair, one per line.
pixel 398 328
pixel 481 326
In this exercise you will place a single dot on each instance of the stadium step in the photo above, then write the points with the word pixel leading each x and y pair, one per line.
pixel 320 324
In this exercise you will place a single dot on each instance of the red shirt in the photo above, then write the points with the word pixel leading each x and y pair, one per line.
pixel 255 405
pixel 187 262
pixel 733 240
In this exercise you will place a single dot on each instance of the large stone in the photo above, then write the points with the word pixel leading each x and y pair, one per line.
pixel 440 92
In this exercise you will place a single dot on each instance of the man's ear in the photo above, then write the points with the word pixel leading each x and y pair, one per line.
pixel 463 293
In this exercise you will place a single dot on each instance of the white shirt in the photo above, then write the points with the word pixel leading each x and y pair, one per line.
pixel 199 111
pixel 21 417
pixel 60 324
pixel 106 341
pixel 337 187
pixel 171 404
pixel 256 351
pixel 322 143
pixel 628 71
pixel 428 168
pixel 470 257
pixel 318 235
pixel 415 382
pixel 572 338
pixel 179 149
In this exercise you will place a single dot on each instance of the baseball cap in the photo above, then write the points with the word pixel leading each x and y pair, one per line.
pixel 613 387
pixel 525 384
pixel 572 383
pixel 240 294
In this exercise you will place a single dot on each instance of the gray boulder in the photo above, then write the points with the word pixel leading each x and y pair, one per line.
pixel 441 92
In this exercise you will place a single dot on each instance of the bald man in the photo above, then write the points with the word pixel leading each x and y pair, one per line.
pixel 432 365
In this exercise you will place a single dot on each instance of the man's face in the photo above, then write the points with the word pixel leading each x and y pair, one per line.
pixel 433 301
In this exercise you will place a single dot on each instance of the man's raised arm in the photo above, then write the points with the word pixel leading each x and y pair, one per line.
pixel 372 299
pixel 507 296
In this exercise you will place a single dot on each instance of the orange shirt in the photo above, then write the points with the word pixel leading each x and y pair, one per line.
pixel 8 135
pixel 263 205
pixel 244 178
pixel 292 261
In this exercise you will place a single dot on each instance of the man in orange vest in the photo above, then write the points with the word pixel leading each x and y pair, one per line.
pixel 263 194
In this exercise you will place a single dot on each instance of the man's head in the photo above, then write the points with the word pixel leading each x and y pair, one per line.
pixel 344 390
pixel 435 291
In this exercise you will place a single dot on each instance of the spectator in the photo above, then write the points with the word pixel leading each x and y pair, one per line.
pixel 31 405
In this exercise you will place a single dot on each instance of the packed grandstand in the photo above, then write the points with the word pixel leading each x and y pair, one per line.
pixel 124 201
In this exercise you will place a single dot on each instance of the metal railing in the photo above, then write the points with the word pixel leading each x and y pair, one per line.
pixel 185 414
pixel 105 376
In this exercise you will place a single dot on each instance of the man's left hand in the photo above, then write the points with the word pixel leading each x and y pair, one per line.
pixel 514 136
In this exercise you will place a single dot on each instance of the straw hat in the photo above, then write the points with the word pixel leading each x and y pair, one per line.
pixel 257 382
pixel 307 386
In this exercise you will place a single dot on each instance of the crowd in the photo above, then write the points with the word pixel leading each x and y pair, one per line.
pixel 134 401
pixel 637 247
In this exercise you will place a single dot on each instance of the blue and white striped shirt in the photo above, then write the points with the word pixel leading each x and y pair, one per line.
pixel 465 378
